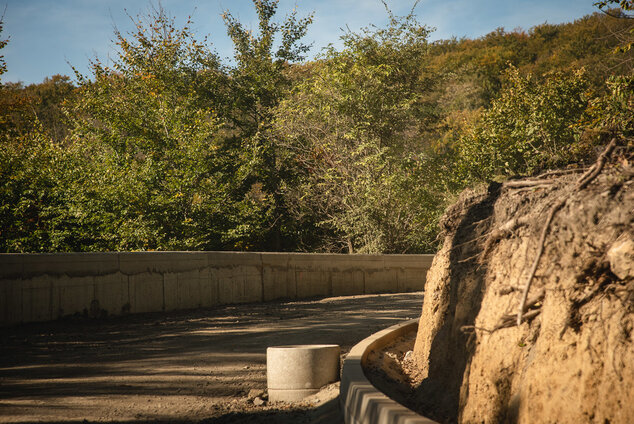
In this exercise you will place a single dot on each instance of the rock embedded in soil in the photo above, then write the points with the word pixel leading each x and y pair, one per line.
pixel 254 393
pixel 621 257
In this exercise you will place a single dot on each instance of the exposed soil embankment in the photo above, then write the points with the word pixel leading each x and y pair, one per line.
pixel 572 358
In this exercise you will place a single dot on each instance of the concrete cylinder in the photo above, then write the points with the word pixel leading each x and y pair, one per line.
pixel 296 371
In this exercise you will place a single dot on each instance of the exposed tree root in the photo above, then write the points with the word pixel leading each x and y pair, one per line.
pixel 527 183
pixel 533 308
pixel 541 180
pixel 558 172
pixel 494 236
pixel 582 182
pixel 535 187
pixel 502 231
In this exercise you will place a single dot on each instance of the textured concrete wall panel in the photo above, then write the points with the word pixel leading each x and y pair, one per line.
pixel 190 293
pixel 11 266
pixel 10 301
pixel 69 264
pixel 208 293
pixel 171 291
pixel 312 283
pixel 239 284
pixel 132 263
pixel 411 279
pixel 37 298
pixel 72 296
pixel 232 259
pixel 347 283
pixel 40 287
pixel 381 281
pixel 278 277
pixel 111 293
pixel 146 292
pixel 278 283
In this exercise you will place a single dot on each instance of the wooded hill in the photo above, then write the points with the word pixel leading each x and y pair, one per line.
pixel 360 150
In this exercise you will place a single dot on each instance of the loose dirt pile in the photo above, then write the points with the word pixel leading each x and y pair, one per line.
pixel 572 358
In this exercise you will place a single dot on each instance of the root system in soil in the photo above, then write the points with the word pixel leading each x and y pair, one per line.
pixel 529 306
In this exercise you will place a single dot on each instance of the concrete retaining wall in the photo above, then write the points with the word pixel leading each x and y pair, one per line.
pixel 42 287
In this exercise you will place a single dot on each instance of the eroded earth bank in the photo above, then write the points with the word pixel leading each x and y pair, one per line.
pixel 572 358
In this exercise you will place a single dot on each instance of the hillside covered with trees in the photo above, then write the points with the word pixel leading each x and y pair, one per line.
pixel 360 150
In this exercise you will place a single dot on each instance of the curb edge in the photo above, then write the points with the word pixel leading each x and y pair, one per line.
pixel 361 402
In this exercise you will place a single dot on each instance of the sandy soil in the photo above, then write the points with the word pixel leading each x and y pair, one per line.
pixel 390 369
pixel 571 359
pixel 197 366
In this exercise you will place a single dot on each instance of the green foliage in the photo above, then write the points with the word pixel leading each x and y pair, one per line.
pixel 533 125
pixel 625 5
pixel 624 12
pixel 150 100
pixel 256 85
pixel 141 203
pixel 149 124
pixel 3 43
pixel 167 145
pixel 613 113
pixel 350 128
pixel 33 181
pixel 16 111
pixel 358 151
pixel 37 107
pixel 586 43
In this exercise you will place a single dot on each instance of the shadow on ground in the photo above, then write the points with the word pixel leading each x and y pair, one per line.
pixel 202 365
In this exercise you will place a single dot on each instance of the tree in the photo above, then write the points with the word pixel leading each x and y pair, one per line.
pixel 151 129
pixel 186 137
pixel 3 43
pixel 533 124
pixel 353 130
pixel 624 5
pixel 35 107
pixel 613 114
pixel 358 151
pixel 626 35
pixel 28 193
pixel 257 83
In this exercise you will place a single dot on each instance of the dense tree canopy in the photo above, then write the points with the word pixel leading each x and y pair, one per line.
pixel 170 148
pixel 353 129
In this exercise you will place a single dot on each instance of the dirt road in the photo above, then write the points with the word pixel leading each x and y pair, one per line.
pixel 196 366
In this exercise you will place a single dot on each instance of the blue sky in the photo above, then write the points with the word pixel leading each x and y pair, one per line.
pixel 47 35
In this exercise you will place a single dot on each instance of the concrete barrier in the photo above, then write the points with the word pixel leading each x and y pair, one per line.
pixel 42 287
pixel 361 402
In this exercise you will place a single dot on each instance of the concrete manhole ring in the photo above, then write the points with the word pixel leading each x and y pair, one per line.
pixel 296 371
